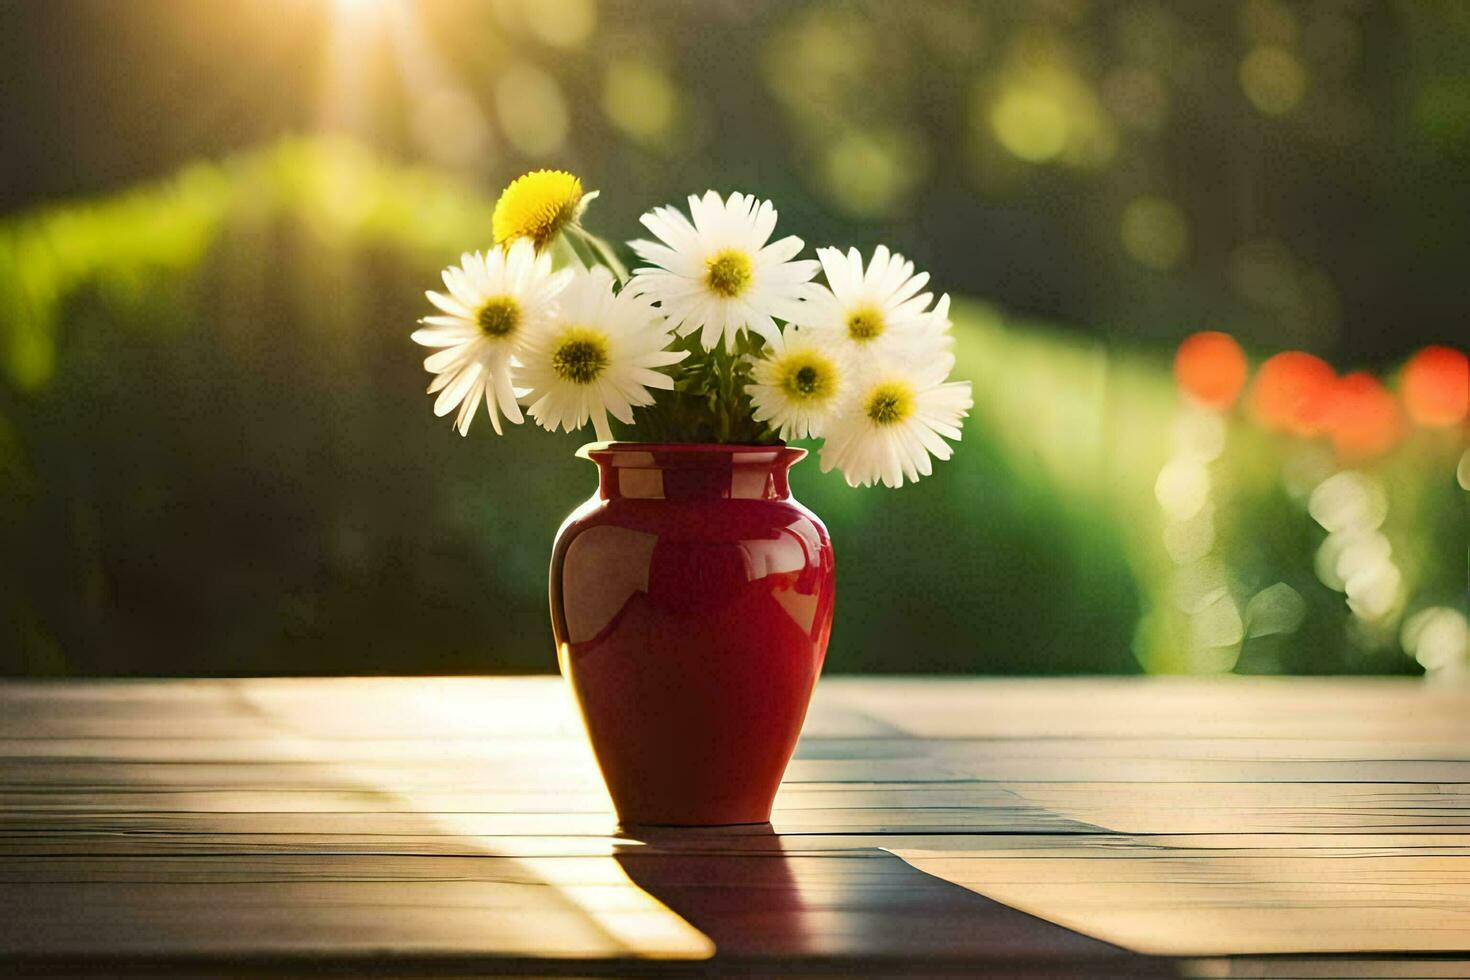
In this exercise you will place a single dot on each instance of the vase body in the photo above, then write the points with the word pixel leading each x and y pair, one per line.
pixel 691 601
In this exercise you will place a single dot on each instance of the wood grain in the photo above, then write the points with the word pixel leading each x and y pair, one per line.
pixel 1098 827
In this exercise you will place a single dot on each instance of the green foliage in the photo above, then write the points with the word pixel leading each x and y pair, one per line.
pixel 334 189
pixel 229 466
pixel 708 403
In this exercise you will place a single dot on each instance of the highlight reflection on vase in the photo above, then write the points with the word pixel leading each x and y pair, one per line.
pixel 692 600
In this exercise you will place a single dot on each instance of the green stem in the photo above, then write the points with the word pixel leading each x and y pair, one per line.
pixel 584 255
pixel 600 251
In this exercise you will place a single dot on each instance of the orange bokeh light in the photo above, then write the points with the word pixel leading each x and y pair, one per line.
pixel 1436 386
pixel 1293 393
pixel 1210 367
pixel 1363 417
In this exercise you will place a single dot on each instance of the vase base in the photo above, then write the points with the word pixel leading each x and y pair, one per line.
pixel 642 828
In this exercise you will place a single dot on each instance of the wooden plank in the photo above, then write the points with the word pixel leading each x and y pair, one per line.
pixel 1164 901
pixel 1375 709
pixel 490 776
pixel 854 903
pixel 571 748
pixel 445 823
pixel 1235 707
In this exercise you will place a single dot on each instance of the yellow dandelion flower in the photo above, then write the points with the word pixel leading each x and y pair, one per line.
pixel 537 206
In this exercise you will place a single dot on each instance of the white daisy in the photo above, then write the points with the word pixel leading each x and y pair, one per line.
pixel 933 333
pixel 894 421
pixel 596 356
pixel 717 275
pixel 873 312
pixel 494 301
pixel 799 385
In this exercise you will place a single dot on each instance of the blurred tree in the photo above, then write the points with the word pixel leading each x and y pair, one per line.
pixel 215 455
pixel 1280 170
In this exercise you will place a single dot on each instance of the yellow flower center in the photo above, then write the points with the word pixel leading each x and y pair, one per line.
pixel 808 377
pixel 499 316
pixel 536 206
pixel 728 273
pixel 890 403
pixel 865 323
pixel 580 355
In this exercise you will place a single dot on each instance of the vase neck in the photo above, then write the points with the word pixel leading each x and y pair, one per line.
pixel 675 471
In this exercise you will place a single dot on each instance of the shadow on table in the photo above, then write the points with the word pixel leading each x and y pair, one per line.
pixel 762 896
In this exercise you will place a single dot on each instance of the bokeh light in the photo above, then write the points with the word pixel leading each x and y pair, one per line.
pixel 1356 558
pixel 1030 123
pixel 562 23
pixel 1363 417
pixel 1182 487
pixel 1436 386
pixel 1439 638
pixel 1274 610
pixel 640 99
pixel 1273 80
pixel 871 173
pixel 1041 109
pixel 1349 501
pixel 1155 232
pixel 1293 393
pixel 1210 367
pixel 532 111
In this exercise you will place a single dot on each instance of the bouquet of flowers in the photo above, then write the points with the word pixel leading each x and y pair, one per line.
pixel 721 335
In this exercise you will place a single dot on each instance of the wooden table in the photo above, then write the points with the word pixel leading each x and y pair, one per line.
pixel 929 827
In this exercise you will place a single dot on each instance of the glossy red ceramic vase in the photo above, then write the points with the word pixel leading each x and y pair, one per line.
pixel 691 598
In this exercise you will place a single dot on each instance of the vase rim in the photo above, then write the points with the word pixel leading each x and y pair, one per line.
pixel 644 453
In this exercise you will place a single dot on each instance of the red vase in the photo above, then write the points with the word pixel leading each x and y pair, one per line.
pixel 691 598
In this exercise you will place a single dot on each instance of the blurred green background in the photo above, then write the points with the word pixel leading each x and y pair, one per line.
pixel 217 221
